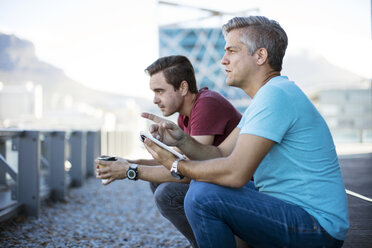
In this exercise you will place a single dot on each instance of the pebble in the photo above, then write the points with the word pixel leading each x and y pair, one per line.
pixel 122 214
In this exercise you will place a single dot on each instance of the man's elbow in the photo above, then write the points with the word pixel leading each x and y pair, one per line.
pixel 237 180
pixel 238 184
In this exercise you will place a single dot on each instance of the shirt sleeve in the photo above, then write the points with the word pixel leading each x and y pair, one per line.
pixel 270 115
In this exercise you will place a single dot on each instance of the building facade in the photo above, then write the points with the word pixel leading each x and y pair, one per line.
pixel 205 49
pixel 348 113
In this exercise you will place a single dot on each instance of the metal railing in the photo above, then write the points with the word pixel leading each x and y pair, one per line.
pixel 40 168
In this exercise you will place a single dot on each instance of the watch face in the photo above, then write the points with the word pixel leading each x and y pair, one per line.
pixel 131 174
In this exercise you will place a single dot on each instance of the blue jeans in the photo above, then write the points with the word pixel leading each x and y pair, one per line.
pixel 216 213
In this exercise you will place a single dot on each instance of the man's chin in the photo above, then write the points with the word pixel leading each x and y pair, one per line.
pixel 231 83
pixel 165 114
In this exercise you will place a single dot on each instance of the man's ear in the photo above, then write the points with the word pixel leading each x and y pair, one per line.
pixel 184 88
pixel 262 56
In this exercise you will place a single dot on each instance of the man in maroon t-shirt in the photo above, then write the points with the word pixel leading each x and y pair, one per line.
pixel 205 115
pixel 211 114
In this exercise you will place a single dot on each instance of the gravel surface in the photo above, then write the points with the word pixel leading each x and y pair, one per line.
pixel 122 214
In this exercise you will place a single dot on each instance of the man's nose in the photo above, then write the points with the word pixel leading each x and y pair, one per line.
pixel 224 61
pixel 156 100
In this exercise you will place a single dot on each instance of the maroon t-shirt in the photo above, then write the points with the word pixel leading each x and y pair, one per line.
pixel 211 114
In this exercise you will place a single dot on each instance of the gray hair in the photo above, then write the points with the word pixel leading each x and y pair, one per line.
pixel 261 32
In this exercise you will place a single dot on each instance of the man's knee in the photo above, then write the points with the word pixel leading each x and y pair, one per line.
pixel 161 194
pixel 170 195
pixel 200 195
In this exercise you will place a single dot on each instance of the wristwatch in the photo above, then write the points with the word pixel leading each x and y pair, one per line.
pixel 174 169
pixel 132 172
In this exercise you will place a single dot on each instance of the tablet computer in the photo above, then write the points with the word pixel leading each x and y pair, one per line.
pixel 144 135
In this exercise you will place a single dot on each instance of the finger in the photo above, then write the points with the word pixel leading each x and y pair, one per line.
pixel 108 181
pixel 153 128
pixel 156 131
pixel 102 170
pixel 149 145
pixel 156 151
pixel 169 125
pixel 104 176
pixel 102 162
pixel 160 134
pixel 152 117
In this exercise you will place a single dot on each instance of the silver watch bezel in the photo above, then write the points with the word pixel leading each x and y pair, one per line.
pixel 174 169
pixel 132 168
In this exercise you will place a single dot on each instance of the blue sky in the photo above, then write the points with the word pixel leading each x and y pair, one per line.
pixel 107 44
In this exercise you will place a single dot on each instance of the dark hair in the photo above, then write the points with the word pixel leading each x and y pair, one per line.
pixel 261 32
pixel 176 69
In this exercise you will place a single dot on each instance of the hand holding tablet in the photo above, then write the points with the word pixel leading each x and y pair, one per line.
pixel 144 135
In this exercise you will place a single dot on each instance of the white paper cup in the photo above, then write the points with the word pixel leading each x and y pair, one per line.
pixel 102 166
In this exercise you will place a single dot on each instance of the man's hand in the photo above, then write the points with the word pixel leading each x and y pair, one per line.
pixel 165 130
pixel 159 154
pixel 111 170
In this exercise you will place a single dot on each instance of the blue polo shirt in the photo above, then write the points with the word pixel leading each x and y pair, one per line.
pixel 302 167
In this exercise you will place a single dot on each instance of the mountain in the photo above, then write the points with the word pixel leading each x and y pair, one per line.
pixel 18 64
pixel 61 96
pixel 312 73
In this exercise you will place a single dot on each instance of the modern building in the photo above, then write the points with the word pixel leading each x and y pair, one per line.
pixel 205 49
pixel 348 113
pixel 20 102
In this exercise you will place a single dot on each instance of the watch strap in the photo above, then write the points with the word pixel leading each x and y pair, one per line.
pixel 133 166
pixel 174 169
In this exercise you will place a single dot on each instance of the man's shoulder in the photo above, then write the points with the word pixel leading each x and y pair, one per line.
pixel 206 93
pixel 211 101
pixel 275 91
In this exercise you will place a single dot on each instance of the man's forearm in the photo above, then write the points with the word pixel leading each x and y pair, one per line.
pixel 234 170
pixel 144 162
pixel 218 171
pixel 157 174
pixel 196 151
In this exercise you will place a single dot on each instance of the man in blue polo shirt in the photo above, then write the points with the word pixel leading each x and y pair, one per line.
pixel 298 197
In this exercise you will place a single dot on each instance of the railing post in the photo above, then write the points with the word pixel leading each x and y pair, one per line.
pixel 57 165
pixel 29 172
pixel 3 152
pixel 103 143
pixel 99 143
pixel 78 157
pixel 93 143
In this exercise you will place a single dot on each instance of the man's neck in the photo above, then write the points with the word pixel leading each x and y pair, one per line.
pixel 260 81
pixel 188 104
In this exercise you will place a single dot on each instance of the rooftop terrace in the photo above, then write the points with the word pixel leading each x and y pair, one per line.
pixel 357 173
pixel 123 215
